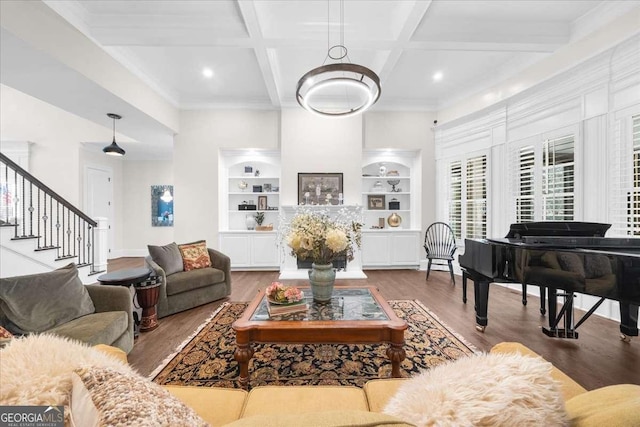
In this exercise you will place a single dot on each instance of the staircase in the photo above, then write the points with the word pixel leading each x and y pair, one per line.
pixel 39 230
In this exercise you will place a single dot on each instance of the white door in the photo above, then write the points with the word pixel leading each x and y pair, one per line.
pixel 98 200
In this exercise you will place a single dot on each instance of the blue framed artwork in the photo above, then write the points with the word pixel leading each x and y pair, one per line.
pixel 162 205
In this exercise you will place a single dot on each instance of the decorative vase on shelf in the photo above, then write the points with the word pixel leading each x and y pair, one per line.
pixel 322 277
pixel 394 220
pixel 250 221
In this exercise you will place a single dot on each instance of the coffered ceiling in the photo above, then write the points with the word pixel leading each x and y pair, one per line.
pixel 257 50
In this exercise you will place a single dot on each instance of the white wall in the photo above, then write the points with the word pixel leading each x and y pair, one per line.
pixel 196 150
pixel 560 61
pixel 312 143
pixel 138 177
pixel 56 156
pixel 407 131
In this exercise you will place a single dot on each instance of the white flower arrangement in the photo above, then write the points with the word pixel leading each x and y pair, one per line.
pixel 315 235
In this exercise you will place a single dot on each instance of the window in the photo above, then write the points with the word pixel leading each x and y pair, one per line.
pixel 633 196
pixel 525 195
pixel 558 179
pixel 543 179
pixel 467 197
pixel 455 198
pixel 624 176
pixel 476 200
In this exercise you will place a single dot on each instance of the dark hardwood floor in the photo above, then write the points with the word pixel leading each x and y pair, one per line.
pixel 596 359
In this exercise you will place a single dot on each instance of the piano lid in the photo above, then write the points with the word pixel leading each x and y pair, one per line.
pixel 557 228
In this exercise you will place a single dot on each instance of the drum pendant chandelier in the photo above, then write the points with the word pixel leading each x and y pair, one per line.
pixel 340 89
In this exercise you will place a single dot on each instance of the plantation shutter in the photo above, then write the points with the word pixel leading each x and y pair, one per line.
pixel 476 197
pixel 633 198
pixel 558 169
pixel 525 191
pixel 624 171
pixel 455 198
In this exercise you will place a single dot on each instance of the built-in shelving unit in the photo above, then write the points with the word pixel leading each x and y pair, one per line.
pixel 390 185
pixel 249 184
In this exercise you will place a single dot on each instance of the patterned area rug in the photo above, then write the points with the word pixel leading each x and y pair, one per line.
pixel 206 359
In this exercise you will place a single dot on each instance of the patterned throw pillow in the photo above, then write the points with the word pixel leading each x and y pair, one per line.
pixel 195 255
pixel 5 337
pixel 106 397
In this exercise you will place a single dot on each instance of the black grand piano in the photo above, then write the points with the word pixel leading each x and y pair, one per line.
pixel 563 258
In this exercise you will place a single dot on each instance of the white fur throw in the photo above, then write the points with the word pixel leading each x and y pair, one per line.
pixel 482 390
pixel 36 370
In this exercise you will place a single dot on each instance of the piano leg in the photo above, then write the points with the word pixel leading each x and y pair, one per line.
pixel 628 321
pixel 464 287
pixel 481 293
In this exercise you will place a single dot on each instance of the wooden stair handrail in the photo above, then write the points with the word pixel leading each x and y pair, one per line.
pixel 46 189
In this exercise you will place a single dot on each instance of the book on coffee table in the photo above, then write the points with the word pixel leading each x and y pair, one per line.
pixel 276 309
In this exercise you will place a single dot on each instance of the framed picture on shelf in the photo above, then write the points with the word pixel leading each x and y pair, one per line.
pixel 248 170
pixel 262 203
pixel 319 188
pixel 375 202
pixel 267 188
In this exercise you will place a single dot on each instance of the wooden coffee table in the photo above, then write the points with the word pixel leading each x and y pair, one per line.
pixel 355 315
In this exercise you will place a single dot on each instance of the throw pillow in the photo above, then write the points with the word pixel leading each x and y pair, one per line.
pixel 168 257
pixel 5 337
pixel 38 302
pixel 195 255
pixel 36 369
pixel 499 390
pixel 106 397
pixel 571 262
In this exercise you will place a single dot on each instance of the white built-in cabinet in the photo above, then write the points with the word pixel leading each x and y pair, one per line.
pixel 246 177
pixel 389 246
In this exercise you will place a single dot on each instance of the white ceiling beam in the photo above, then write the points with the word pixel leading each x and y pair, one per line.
pixel 248 12
pixel 471 46
pixel 410 26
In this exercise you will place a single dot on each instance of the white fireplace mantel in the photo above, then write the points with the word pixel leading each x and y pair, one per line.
pixel 289 266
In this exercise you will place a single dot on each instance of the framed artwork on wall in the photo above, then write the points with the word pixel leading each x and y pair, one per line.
pixel 162 205
pixel 375 201
pixel 262 203
pixel 319 188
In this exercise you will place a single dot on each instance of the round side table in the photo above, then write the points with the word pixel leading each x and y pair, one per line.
pixel 129 277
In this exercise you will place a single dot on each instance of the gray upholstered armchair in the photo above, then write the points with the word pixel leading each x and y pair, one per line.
pixel 182 290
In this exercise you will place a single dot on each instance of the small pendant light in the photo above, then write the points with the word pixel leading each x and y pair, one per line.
pixel 114 149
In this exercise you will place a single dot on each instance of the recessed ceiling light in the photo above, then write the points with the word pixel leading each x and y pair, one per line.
pixel 437 76
pixel 207 72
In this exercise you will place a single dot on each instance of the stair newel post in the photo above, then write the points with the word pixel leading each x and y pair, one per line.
pixel 101 244
pixel 91 247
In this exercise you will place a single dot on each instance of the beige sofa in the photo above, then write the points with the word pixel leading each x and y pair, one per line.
pixel 333 405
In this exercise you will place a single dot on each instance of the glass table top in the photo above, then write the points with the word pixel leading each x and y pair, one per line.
pixel 346 304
